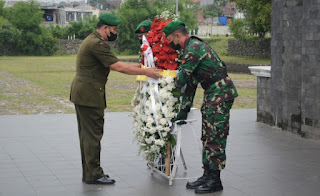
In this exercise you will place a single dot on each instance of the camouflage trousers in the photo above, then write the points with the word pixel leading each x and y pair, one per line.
pixel 215 129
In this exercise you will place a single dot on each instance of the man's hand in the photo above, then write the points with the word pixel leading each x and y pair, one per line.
pixel 137 65
pixel 153 73
pixel 182 115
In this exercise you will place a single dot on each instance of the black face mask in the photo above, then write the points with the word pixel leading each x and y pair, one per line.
pixel 112 37
pixel 175 46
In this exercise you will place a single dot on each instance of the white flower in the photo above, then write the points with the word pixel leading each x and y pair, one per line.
pixel 150 119
pixel 148 112
pixel 152 130
pixel 164 134
pixel 153 148
pixel 159 142
pixel 162 92
pixel 162 82
pixel 148 103
pixel 148 140
pixel 169 79
pixel 170 87
pixel 158 107
pixel 163 121
pixel 149 124
pixel 165 110
pixel 167 129
pixel 159 128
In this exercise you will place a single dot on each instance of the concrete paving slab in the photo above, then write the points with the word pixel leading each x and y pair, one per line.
pixel 40 155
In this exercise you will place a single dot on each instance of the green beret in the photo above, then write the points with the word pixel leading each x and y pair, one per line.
pixel 143 27
pixel 172 26
pixel 110 19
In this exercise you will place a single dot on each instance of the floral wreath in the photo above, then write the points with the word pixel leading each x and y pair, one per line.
pixel 152 121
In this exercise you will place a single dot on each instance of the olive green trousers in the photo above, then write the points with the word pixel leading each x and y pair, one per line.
pixel 90 128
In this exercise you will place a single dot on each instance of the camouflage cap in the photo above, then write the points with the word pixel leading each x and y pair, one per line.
pixel 143 27
pixel 110 19
pixel 172 26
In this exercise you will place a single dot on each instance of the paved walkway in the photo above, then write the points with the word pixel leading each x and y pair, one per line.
pixel 39 155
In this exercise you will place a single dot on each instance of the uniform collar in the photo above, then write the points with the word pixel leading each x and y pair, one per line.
pixel 98 35
pixel 186 42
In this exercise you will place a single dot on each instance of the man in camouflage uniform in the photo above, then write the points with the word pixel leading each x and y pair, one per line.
pixel 200 64
pixel 94 62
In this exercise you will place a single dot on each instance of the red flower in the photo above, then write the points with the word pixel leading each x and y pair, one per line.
pixel 165 56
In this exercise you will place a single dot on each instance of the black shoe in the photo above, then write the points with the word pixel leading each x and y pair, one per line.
pixel 213 183
pixel 199 181
pixel 103 180
pixel 84 180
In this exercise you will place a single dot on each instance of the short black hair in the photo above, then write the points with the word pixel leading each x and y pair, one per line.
pixel 182 30
pixel 100 24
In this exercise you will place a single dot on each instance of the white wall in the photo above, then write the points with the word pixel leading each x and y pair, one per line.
pixel 213 30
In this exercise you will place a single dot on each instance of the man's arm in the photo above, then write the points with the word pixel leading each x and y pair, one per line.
pixel 134 69
pixel 187 101
pixel 188 96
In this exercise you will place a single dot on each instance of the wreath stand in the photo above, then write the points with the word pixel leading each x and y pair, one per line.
pixel 167 166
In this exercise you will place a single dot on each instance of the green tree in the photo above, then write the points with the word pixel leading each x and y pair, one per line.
pixel 133 12
pixel 187 12
pixel 212 10
pixel 82 28
pixel 101 4
pixel 9 38
pixel 257 14
pixel 3 14
pixel 221 2
pixel 48 46
pixel 239 28
pixel 26 18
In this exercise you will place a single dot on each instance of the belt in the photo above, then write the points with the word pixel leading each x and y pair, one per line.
pixel 207 83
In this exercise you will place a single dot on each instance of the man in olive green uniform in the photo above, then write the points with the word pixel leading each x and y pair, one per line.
pixel 143 29
pixel 200 64
pixel 94 62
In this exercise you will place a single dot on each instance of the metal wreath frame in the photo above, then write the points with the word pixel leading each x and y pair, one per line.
pixel 159 166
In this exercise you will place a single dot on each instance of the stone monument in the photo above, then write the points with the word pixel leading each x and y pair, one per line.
pixel 289 93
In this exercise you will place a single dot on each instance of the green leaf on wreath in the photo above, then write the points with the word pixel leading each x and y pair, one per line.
pixel 176 92
pixel 172 140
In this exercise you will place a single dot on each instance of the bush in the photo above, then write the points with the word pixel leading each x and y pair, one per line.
pixel 49 43
pixel 9 36
pixel 81 29
pixel 23 34
pixel 238 28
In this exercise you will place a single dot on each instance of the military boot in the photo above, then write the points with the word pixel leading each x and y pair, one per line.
pixel 199 181
pixel 212 184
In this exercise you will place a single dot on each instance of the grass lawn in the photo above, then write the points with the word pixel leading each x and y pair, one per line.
pixel 33 85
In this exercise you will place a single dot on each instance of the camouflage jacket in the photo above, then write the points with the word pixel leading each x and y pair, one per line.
pixel 200 64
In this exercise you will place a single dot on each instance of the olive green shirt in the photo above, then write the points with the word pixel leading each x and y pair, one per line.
pixel 92 69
